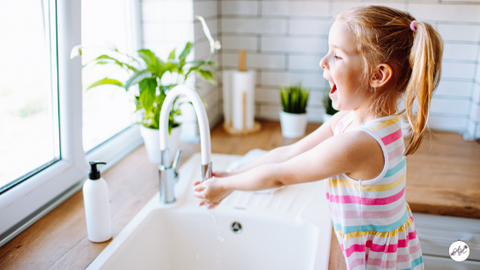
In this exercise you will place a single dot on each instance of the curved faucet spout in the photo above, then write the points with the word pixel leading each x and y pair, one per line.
pixel 203 124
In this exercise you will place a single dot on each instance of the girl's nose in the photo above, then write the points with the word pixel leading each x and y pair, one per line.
pixel 323 63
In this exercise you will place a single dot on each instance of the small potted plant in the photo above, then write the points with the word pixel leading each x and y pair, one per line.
pixel 329 110
pixel 146 71
pixel 293 117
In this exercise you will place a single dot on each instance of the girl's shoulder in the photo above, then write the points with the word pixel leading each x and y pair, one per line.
pixel 338 118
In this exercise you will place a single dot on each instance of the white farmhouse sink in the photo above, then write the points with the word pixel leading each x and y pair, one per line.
pixel 289 229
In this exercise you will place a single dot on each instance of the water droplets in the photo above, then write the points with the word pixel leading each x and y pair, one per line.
pixel 219 234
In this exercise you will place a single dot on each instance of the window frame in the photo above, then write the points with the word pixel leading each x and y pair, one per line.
pixel 27 202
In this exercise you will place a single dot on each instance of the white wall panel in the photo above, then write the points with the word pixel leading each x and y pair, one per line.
pixel 294 44
pixel 295 8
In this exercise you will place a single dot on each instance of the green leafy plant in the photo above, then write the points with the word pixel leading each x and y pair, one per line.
pixel 294 98
pixel 327 103
pixel 147 70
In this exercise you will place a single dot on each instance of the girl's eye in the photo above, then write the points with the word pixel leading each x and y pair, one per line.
pixel 337 57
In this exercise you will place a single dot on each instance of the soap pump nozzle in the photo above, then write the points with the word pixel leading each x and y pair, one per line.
pixel 94 172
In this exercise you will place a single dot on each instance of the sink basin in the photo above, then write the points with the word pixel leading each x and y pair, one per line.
pixel 288 229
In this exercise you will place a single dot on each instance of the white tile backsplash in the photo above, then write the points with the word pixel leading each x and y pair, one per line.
pixel 255 61
pixel 340 5
pixel 475 112
pixel 305 62
pixel 254 25
pixel 460 51
pixel 239 42
pixel 295 8
pixel 476 92
pixel 454 88
pixel 477 77
pixel 271 95
pixel 459 32
pixel 294 44
pixel 447 123
pixel 205 9
pixel 445 12
pixel 240 8
pixel 457 107
pixel 273 78
pixel 314 27
pixel 458 70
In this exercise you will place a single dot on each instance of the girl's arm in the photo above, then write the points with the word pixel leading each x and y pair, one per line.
pixel 344 153
pixel 284 153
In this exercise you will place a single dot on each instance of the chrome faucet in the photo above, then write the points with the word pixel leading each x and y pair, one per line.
pixel 168 173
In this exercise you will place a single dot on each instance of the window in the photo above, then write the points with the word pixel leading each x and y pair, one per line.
pixel 107 109
pixel 29 135
pixel 41 111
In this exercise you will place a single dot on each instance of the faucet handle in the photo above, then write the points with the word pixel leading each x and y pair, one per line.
pixel 176 161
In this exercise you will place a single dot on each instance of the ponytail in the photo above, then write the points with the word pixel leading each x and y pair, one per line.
pixel 426 64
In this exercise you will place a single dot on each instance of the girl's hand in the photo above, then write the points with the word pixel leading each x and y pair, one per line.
pixel 220 174
pixel 210 192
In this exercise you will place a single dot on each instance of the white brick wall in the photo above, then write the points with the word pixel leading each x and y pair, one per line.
pixel 253 26
pixel 296 8
pixel 240 8
pixel 285 40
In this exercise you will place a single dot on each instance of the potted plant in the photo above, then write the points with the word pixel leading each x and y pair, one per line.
pixel 293 117
pixel 146 71
pixel 329 110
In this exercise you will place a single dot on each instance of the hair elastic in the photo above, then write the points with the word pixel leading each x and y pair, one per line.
pixel 412 26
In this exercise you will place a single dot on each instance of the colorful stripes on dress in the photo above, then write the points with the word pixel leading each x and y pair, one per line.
pixel 371 218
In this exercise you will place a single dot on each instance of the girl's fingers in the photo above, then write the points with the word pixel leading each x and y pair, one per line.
pixel 199 188
pixel 213 205
pixel 201 203
pixel 196 183
pixel 199 195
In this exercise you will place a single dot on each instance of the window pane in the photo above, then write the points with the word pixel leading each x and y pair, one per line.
pixel 28 91
pixel 107 110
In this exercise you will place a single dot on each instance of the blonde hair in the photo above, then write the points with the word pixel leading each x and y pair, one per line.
pixel 384 36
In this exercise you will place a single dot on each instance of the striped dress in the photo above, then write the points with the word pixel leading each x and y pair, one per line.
pixel 372 220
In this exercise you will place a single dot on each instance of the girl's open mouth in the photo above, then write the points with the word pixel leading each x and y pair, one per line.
pixel 334 88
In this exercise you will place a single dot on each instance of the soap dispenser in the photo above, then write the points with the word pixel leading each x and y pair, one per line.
pixel 97 205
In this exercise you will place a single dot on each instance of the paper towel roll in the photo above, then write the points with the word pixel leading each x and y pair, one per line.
pixel 243 82
pixel 227 96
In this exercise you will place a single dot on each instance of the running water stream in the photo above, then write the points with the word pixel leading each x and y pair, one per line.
pixel 219 235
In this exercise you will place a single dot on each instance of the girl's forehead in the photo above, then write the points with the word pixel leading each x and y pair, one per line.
pixel 342 38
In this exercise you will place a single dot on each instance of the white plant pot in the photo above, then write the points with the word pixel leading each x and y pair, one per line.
pixel 293 125
pixel 326 117
pixel 151 138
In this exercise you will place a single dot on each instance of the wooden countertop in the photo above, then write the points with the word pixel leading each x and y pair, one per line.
pixel 443 178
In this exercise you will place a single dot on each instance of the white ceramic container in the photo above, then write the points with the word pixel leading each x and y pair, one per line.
pixel 293 125
pixel 151 138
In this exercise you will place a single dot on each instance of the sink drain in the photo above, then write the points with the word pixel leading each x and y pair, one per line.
pixel 236 227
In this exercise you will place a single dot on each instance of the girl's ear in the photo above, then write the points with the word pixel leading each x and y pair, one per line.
pixel 383 74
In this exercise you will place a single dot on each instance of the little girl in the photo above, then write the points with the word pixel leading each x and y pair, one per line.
pixel 376 55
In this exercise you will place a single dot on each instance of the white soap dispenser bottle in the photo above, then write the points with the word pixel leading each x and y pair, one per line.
pixel 97 205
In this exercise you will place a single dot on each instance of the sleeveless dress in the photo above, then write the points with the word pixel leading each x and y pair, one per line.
pixel 372 221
